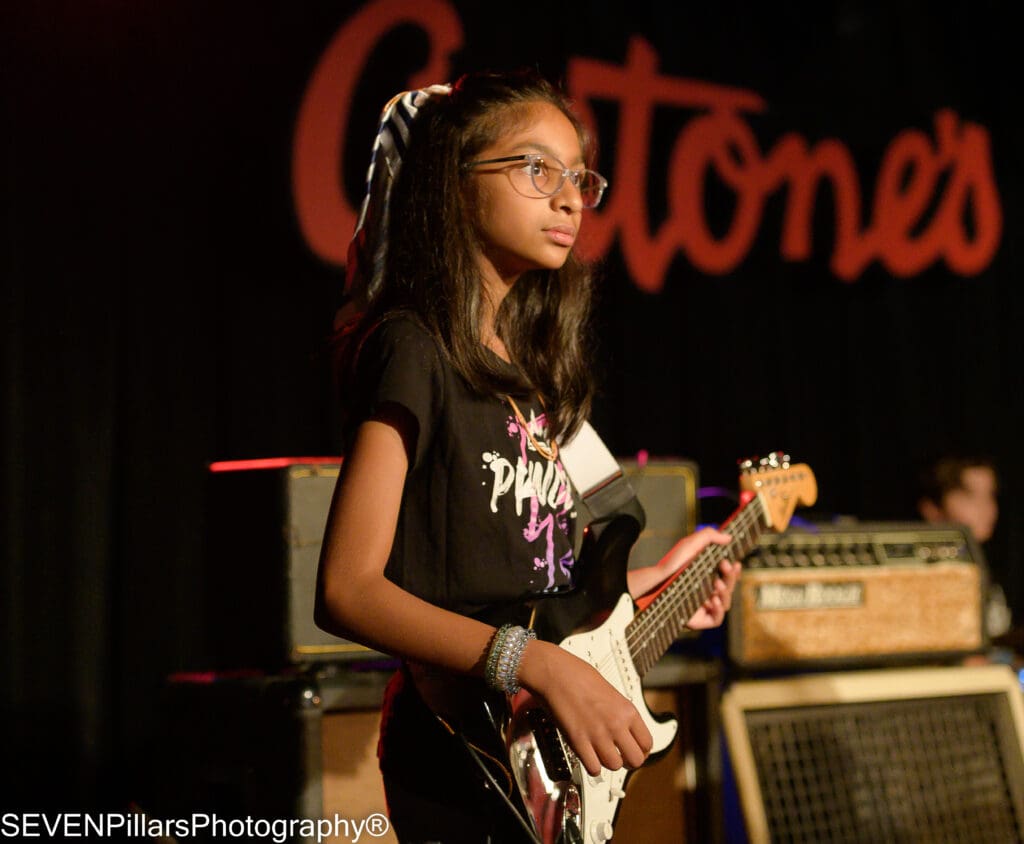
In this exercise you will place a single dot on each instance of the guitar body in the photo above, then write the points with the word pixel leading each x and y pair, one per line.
pixel 600 582
pixel 565 803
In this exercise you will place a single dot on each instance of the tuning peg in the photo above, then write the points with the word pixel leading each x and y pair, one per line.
pixel 775 460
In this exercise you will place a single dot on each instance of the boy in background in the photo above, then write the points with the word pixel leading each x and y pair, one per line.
pixel 963 489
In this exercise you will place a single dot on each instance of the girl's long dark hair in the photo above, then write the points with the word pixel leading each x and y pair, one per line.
pixel 431 266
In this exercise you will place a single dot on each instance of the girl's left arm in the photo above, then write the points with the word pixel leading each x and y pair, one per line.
pixel 712 612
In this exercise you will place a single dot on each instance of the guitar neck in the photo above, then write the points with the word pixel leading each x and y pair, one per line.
pixel 660 623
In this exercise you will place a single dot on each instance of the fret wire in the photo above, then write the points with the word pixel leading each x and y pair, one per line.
pixel 655 619
pixel 697 570
pixel 703 566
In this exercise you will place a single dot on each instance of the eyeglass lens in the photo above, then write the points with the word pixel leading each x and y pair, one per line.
pixel 548 179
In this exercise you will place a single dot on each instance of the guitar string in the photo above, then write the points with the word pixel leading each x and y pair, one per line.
pixel 668 602
pixel 700 570
pixel 680 593
pixel 650 629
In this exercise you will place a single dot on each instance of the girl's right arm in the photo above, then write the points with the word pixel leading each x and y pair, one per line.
pixel 356 600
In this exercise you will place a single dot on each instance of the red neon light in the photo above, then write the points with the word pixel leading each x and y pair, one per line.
pixel 270 463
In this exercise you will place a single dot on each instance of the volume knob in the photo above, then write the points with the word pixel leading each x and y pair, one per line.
pixel 601 831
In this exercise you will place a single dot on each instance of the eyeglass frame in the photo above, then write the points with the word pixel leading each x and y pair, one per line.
pixel 565 173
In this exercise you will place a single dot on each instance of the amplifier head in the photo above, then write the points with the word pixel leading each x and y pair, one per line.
pixel 859 595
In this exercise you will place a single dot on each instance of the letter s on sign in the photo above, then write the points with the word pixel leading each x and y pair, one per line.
pixel 325 215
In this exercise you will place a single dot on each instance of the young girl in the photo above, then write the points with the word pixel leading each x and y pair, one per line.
pixel 462 371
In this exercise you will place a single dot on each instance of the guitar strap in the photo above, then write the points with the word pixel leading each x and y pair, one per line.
pixel 597 477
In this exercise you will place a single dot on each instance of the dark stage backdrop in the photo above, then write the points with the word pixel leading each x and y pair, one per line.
pixel 810 243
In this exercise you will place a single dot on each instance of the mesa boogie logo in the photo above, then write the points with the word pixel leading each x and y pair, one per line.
pixel 809 596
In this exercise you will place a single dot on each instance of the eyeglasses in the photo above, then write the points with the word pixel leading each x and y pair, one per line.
pixel 547 179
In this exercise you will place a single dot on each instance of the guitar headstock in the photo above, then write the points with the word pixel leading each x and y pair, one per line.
pixel 780 484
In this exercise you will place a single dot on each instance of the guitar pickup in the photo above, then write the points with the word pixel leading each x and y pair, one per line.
pixel 549 742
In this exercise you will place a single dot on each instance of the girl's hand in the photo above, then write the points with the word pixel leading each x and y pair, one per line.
pixel 603 728
pixel 712 611
pixel 688 547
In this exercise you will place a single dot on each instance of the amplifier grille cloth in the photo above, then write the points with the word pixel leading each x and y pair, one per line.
pixel 930 770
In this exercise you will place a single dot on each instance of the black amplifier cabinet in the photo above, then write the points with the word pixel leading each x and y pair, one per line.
pixel 265 526
pixel 864 594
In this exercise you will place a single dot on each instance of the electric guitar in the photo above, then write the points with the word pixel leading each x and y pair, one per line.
pixel 563 803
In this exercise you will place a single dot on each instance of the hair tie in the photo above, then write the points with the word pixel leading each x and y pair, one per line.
pixel 368 248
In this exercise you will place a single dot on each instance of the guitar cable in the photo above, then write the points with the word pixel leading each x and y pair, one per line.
pixel 475 754
pixel 527 827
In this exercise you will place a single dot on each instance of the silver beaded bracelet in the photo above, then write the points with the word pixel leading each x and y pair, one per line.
pixel 502 667
pixel 492 655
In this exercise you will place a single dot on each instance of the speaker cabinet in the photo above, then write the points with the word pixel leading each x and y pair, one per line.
pixel 265 525
pixel 300 747
pixel 667 490
pixel 918 754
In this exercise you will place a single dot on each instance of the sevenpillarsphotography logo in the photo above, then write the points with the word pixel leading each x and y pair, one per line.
pixel 815 595
pixel 121 825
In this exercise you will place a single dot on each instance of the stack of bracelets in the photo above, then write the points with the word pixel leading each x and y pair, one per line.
pixel 507 648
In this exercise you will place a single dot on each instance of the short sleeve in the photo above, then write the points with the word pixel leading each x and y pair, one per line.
pixel 400 364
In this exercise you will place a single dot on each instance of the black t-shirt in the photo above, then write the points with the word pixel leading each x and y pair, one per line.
pixel 485 519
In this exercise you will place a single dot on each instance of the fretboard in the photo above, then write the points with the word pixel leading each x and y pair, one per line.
pixel 657 626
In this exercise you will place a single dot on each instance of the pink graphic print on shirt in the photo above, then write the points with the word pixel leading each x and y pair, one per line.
pixel 535 480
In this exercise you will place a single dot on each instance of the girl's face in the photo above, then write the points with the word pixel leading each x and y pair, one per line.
pixel 520 229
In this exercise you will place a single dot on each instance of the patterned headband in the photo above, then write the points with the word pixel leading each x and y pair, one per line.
pixel 368 249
